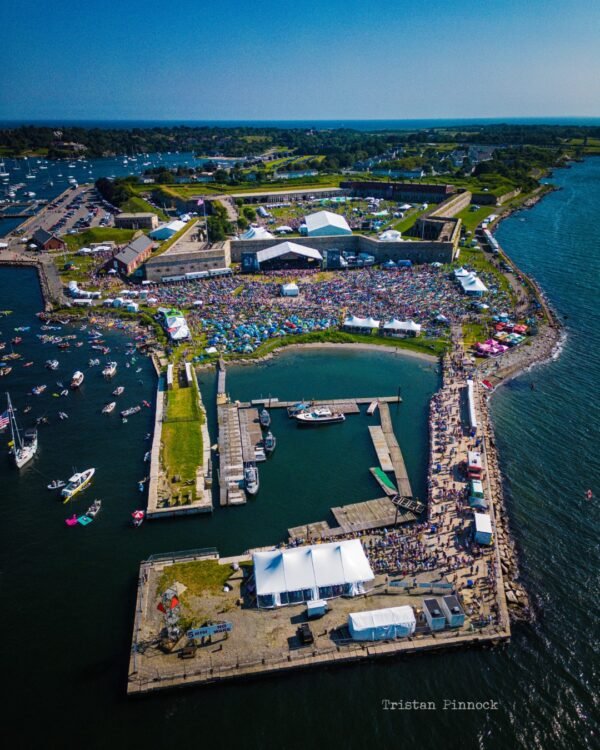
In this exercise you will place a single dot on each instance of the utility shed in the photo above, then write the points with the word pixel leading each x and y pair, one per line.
pixel 455 614
pixel 434 615
pixel 483 528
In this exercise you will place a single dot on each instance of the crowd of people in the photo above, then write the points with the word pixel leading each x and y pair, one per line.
pixel 237 313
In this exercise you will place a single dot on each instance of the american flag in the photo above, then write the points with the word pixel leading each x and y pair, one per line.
pixel 200 202
pixel 4 420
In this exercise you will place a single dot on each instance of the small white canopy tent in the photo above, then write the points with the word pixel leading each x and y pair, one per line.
pixel 289 290
pixel 382 624
pixel 390 235
pixel 257 233
pixel 471 284
pixel 284 229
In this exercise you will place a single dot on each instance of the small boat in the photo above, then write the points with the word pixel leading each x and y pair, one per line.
pixel 259 454
pixel 109 407
pixel 24 447
pixel 27 409
pixel 16 340
pixel 64 392
pixel 52 364
pixel 77 483
pixel 64 345
pixel 139 369
pixel 94 508
pixel 486 384
pixel 130 411
pixel 319 416
pixel 5 371
pixel 298 408
pixel 118 391
pixel 138 517
pixel 63 415
pixel 93 362
pixel 77 379
pixel 36 390
pixel 269 442
pixel 146 404
pixel 147 456
pixel 27 364
pixel 251 480
pixel 264 418
pixel 56 484
pixel 589 495
pixel 110 370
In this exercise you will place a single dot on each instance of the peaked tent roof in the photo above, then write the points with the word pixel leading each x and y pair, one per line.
pixel 324 219
pixel 309 567
pixel 402 325
pixel 257 233
pixel 285 248
pixel 354 322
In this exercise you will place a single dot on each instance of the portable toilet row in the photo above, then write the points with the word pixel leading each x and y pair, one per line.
pixel 444 612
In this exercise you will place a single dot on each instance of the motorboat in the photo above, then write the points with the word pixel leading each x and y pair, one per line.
pixel 269 442
pixel 63 415
pixel 109 407
pixel 56 484
pixel 52 364
pixel 38 389
pixel 264 418
pixel 319 416
pixel 298 408
pixel 77 379
pixel 259 454
pixel 94 508
pixel 77 483
pixel 118 391
pixel 93 362
pixel 137 517
pixel 130 411
pixel 251 480
pixel 24 447
pixel 110 370
pixel 5 371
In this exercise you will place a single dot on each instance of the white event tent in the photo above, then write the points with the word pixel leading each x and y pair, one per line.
pixel 257 233
pixel 402 328
pixel 382 624
pixel 364 324
pixel 324 223
pixel 322 571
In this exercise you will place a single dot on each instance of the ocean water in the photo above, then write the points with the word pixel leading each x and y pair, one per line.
pixel 69 593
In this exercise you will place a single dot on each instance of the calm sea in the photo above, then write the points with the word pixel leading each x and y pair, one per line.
pixel 69 593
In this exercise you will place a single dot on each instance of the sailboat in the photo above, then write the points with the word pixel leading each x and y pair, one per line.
pixel 3 172
pixel 29 175
pixel 23 448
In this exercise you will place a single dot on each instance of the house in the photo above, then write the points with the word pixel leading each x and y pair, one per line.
pixel 128 260
pixel 47 241
pixel 142 220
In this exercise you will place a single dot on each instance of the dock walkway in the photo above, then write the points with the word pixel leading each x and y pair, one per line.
pixel 381 448
pixel 399 467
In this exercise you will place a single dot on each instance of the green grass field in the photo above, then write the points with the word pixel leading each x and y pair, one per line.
pixel 136 204
pixel 471 219
pixel 98 234
pixel 199 576
pixel 182 435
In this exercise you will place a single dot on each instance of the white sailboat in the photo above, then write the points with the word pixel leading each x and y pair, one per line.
pixel 3 172
pixel 23 448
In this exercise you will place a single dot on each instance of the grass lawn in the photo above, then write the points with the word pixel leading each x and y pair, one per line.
pixel 471 219
pixel 182 449
pixel 473 332
pixel 98 234
pixel 136 204
pixel 182 404
pixel 403 225
pixel 199 576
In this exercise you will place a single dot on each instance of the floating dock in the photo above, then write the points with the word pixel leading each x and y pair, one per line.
pixel 384 481
pixel 372 408
pixel 399 467
pixel 381 448
pixel 343 405
pixel 231 465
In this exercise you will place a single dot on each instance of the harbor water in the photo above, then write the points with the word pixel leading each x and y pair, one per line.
pixel 69 593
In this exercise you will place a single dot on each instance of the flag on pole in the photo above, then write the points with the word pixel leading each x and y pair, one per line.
pixel 200 202
pixel 4 419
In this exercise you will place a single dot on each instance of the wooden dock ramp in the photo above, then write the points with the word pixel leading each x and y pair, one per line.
pixel 399 467
pixel 381 448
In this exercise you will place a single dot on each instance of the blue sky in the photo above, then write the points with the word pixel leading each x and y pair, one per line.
pixel 299 60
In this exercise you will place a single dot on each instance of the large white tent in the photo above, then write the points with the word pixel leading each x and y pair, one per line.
pixel 382 624
pixel 257 233
pixel 290 576
pixel 390 235
pixel 166 231
pixel 402 327
pixel 353 322
pixel 287 251
pixel 324 223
